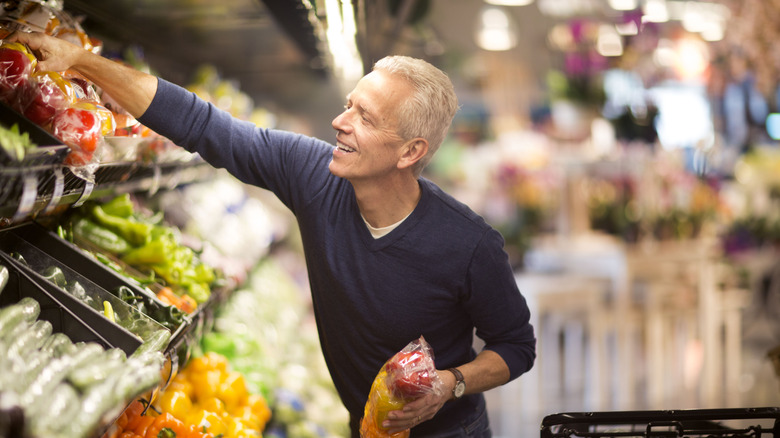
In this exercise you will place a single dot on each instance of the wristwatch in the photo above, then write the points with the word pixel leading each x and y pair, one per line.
pixel 460 384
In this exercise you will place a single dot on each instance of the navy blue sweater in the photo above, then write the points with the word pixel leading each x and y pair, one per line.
pixel 440 274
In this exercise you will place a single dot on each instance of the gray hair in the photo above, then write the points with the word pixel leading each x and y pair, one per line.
pixel 429 112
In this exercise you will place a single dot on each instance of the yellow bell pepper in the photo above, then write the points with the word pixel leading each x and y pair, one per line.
pixel 213 422
pixel 233 390
pixel 175 402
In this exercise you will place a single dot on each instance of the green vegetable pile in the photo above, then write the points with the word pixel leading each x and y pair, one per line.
pixel 15 143
pixel 145 244
pixel 67 389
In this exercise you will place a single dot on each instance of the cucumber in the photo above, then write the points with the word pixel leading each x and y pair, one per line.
pixel 55 275
pixel 31 339
pixel 19 258
pixel 4 274
pixel 58 344
pixel 19 372
pixel 26 309
pixel 57 369
pixel 78 291
pixel 54 412
pixel 34 363
pixel 154 342
pixel 93 373
pixel 141 375
pixel 8 336
pixel 96 403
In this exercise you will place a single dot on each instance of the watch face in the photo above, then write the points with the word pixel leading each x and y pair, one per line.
pixel 460 388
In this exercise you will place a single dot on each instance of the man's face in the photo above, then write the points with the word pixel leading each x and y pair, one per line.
pixel 367 143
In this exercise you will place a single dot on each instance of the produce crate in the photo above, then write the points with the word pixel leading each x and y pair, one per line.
pixel 62 318
pixel 689 423
pixel 80 260
pixel 38 261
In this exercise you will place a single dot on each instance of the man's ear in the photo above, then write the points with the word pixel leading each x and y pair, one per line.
pixel 413 152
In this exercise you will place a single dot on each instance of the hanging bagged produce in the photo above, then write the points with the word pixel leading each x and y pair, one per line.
pixel 16 66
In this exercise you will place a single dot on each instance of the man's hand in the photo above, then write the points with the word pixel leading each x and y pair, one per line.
pixel 54 54
pixel 422 409
pixel 131 88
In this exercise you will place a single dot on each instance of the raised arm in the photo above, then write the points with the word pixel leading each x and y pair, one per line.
pixel 131 88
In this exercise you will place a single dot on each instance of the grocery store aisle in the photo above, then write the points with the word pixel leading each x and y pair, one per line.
pixel 689 339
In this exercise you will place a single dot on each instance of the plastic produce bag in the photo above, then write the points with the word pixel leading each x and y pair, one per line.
pixel 407 376
pixel 80 128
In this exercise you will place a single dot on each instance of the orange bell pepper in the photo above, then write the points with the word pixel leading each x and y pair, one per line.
pixel 165 421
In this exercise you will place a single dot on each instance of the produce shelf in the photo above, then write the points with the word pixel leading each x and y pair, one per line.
pixel 27 192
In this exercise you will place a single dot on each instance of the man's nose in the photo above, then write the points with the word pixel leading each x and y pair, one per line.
pixel 340 122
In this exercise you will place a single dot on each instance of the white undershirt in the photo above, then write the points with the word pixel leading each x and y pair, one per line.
pixel 382 231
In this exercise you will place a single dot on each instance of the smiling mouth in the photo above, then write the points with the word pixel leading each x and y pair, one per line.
pixel 344 148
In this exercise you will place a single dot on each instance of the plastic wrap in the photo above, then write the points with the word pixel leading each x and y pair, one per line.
pixel 16 66
pixel 46 94
pixel 79 128
pixel 407 376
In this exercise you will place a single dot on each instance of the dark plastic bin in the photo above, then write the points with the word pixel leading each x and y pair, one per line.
pixel 689 423
pixel 61 317
pixel 79 260
pixel 114 334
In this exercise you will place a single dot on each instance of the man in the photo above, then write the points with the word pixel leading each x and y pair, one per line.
pixel 390 257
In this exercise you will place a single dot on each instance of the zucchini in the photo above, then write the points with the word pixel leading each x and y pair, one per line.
pixel 26 309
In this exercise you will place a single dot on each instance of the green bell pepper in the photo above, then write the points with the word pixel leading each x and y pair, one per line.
pixel 101 237
pixel 135 232
pixel 120 206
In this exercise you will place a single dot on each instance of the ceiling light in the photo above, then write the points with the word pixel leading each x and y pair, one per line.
pixel 495 31
pixel 509 2
pixel 609 43
pixel 655 11
pixel 692 58
pixel 347 64
pixel 623 5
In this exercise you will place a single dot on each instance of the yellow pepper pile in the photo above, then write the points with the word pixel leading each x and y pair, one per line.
pixel 208 394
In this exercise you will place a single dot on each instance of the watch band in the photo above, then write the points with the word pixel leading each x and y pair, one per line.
pixel 460 383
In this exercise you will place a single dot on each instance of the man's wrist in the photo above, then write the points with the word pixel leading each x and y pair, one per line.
pixel 459 387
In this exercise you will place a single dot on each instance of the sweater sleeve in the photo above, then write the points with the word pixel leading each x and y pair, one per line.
pixel 499 311
pixel 280 161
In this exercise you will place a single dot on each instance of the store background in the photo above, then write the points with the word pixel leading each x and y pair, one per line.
pixel 627 149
